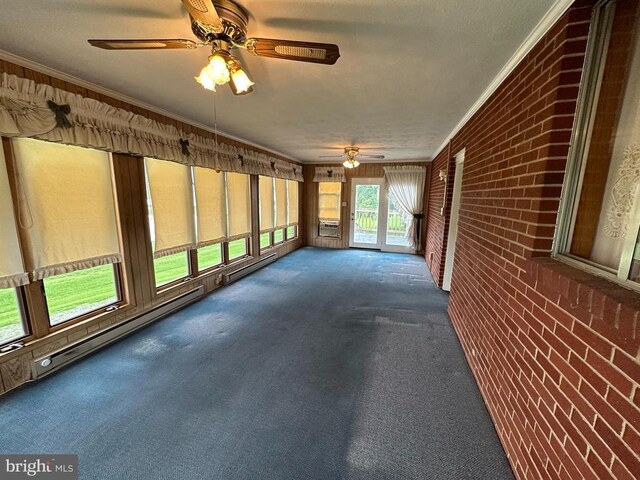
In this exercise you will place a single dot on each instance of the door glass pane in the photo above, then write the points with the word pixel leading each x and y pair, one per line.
pixel 11 326
pixel 396 226
pixel 366 214
pixel 71 295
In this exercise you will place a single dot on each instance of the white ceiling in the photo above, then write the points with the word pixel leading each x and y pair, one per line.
pixel 409 70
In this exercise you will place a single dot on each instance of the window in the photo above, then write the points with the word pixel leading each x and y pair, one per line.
pixel 78 293
pixel 171 219
pixel 238 248
pixel 211 216
pixel 267 210
pixel 12 271
pixel 329 201
pixel 209 256
pixel 171 268
pixel 601 212
pixel 12 326
pixel 278 236
pixel 292 209
pixel 69 224
pixel 238 214
pixel 265 240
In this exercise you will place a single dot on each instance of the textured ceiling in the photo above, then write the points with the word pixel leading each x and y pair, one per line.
pixel 409 71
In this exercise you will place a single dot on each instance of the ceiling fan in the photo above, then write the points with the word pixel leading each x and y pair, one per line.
pixel 352 154
pixel 222 24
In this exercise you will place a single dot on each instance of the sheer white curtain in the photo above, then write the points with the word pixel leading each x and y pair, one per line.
pixel 406 188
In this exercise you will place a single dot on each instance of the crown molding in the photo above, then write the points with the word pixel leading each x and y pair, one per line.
pixel 540 30
pixel 26 63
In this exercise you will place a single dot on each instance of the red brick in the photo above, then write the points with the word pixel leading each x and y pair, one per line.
pixel 629 366
pixel 613 376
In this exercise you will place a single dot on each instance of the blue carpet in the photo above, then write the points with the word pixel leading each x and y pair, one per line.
pixel 328 364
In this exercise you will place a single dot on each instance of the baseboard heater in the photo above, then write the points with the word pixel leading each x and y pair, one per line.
pixel 45 365
pixel 244 271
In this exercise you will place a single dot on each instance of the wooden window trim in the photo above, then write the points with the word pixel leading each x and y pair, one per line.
pixel 117 305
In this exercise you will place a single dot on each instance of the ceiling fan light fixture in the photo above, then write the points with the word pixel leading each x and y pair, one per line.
pixel 241 83
pixel 214 73
pixel 351 163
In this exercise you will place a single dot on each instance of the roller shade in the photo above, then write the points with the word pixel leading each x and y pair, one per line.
pixel 281 203
pixel 238 205
pixel 66 206
pixel 329 200
pixel 210 205
pixel 292 202
pixel 170 188
pixel 12 272
pixel 266 204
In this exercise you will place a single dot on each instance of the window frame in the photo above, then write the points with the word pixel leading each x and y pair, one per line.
pixel 21 301
pixel 217 266
pixel 231 261
pixel 340 195
pixel 178 281
pixel 602 22
pixel 295 232
pixel 118 279
pixel 271 244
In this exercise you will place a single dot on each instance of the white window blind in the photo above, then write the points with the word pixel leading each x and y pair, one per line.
pixel 238 205
pixel 329 200
pixel 281 203
pixel 170 188
pixel 266 204
pixel 292 202
pixel 66 207
pixel 12 272
pixel 210 205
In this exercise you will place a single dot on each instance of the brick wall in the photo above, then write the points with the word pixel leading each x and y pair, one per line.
pixel 437 219
pixel 555 350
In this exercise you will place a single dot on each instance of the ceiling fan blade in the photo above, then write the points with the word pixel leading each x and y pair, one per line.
pixel 324 53
pixel 331 156
pixel 204 12
pixel 146 44
pixel 380 157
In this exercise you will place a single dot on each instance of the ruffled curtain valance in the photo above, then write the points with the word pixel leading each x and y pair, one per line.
pixel 28 109
pixel 329 174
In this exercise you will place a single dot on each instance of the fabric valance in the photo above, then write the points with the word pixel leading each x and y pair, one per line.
pixel 28 109
pixel 329 174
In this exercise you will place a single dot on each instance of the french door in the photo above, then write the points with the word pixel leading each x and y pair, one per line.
pixel 376 222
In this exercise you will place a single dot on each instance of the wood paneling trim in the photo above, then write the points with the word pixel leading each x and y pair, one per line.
pixel 309 224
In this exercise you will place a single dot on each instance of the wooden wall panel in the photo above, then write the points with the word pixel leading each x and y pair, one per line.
pixel 365 170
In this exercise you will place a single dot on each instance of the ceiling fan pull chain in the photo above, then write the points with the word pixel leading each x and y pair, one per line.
pixel 215 127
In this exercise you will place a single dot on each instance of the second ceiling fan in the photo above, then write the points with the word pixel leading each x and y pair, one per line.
pixel 352 154
pixel 222 25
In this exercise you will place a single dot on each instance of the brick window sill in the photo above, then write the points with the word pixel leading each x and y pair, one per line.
pixel 606 307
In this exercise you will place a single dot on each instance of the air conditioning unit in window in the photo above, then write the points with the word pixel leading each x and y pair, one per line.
pixel 329 228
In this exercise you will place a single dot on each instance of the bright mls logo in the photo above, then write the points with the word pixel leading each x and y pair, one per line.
pixel 50 467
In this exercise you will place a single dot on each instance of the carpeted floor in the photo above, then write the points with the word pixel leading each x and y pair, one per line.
pixel 327 364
